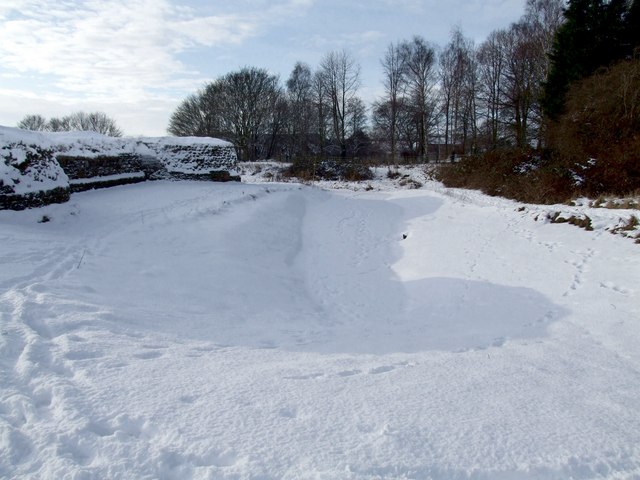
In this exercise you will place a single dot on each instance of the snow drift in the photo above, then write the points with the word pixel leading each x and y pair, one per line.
pixel 173 330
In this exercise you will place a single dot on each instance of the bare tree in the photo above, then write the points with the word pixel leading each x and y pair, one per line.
pixel 458 79
pixel 319 99
pixel 245 107
pixel 381 122
pixel 36 123
pixel 419 60
pixel 394 80
pixel 513 64
pixel 93 122
pixel 300 97
pixel 190 118
pixel 544 18
pixel 251 97
pixel 57 124
pixel 521 84
pixel 491 62
pixel 340 75
pixel 277 124
pixel 357 124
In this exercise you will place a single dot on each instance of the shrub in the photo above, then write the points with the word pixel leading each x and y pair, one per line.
pixel 392 174
pixel 582 222
pixel 598 138
pixel 329 169
pixel 521 175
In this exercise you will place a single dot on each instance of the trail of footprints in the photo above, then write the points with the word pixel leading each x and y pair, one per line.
pixel 581 268
pixel 354 372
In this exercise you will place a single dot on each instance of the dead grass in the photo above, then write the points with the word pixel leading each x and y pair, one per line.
pixel 582 222
pixel 515 174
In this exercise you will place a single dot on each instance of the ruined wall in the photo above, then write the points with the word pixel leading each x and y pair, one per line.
pixel 38 168
pixel 30 175
pixel 192 155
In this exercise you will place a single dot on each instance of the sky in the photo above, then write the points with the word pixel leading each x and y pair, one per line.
pixel 136 60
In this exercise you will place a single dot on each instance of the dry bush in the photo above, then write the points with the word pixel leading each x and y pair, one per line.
pixel 582 222
pixel 309 169
pixel 599 135
pixel 516 174
pixel 594 148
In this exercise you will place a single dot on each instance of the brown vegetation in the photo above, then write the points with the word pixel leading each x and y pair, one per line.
pixel 599 135
pixel 594 148
pixel 312 168
pixel 515 174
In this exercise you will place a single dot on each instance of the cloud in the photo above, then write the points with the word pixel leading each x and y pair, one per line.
pixel 121 56
pixel 146 116
pixel 114 47
pixel 411 6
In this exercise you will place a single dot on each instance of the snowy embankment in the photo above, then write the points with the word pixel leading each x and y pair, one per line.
pixel 186 330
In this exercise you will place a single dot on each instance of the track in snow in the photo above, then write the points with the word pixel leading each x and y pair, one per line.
pixel 175 330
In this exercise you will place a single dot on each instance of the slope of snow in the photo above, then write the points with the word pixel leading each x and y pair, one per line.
pixel 181 330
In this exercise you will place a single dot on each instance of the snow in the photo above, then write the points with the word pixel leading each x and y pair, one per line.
pixel 273 330
pixel 92 144
pixel 106 178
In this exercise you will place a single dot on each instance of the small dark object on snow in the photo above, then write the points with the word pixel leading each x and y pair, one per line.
pixel 223 176
pixel 404 236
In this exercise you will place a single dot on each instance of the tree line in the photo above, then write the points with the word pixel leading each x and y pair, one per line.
pixel 574 118
pixel 460 98
pixel 79 121
pixel 316 113
pixel 550 103
pixel 552 100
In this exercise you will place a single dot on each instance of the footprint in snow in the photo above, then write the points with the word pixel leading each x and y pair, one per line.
pixel 188 398
pixel 288 412
pixel 100 429
pixel 148 355
pixel 383 369
pixel 310 376
pixel 615 288
pixel 76 338
pixel 83 355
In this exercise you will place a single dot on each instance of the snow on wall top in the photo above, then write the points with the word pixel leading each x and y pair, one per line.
pixel 191 154
pixel 27 163
pixel 179 154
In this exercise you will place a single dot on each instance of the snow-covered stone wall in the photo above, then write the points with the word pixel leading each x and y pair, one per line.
pixel 192 155
pixel 33 163
pixel 29 172
pixel 97 155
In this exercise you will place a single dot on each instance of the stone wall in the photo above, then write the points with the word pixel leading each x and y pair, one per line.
pixel 38 168
pixel 34 199
pixel 30 175
pixel 192 155
pixel 77 167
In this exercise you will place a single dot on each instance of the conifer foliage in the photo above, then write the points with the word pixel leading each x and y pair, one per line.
pixel 596 33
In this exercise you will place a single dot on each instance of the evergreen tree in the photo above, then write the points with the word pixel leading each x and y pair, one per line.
pixel 633 28
pixel 592 36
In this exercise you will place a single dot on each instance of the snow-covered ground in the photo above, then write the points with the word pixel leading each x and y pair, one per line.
pixel 179 330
